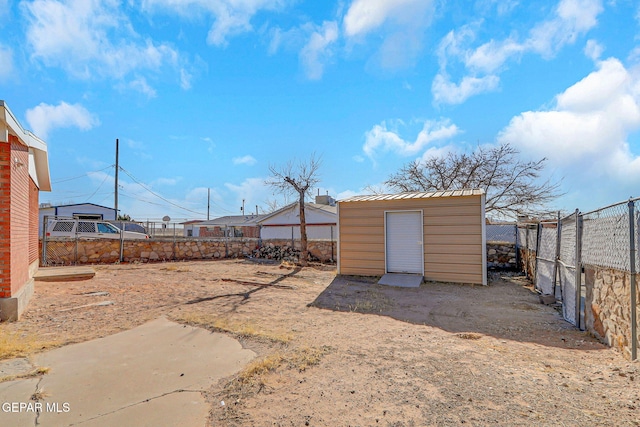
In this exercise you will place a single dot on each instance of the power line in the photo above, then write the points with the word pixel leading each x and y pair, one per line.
pixel 157 195
pixel 79 176
pixel 94 193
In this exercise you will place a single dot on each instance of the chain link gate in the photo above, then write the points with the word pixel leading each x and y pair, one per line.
pixel 569 272
pixel 546 258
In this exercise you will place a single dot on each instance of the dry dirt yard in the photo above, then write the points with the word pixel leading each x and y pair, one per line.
pixel 347 352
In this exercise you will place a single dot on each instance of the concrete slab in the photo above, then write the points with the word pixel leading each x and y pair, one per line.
pixel 64 274
pixel 18 366
pixel 402 280
pixel 156 371
pixel 12 394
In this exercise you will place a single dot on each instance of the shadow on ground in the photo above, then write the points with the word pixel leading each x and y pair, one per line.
pixel 505 309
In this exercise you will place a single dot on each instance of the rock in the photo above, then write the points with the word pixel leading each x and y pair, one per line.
pixel 547 299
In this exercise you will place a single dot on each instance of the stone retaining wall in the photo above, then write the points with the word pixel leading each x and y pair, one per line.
pixel 608 306
pixel 107 251
pixel 501 255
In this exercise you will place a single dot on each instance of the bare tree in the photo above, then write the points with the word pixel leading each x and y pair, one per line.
pixel 512 186
pixel 297 178
pixel 272 205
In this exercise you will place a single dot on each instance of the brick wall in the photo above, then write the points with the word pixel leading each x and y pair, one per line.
pixel 5 220
pixel 19 215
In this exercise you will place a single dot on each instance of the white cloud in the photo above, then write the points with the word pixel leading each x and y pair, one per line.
pixel 365 16
pixel 91 39
pixel 6 59
pixel 593 50
pixel 481 65
pixel 318 50
pixel 573 18
pixel 492 55
pixel 587 132
pixel 44 118
pixel 245 160
pixel 448 92
pixel 403 23
pixel 185 79
pixel 254 191
pixel 231 17
pixel 166 181
pixel 140 85
pixel 381 138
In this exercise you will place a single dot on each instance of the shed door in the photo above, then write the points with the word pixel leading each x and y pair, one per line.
pixel 404 249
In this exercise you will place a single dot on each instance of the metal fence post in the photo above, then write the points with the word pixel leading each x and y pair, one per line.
pixel 632 268
pixel 526 250
pixel 537 251
pixel 174 242
pixel 517 247
pixel 75 255
pixel 45 222
pixel 121 258
pixel 226 242
pixel 556 258
pixel 578 267
pixel 332 256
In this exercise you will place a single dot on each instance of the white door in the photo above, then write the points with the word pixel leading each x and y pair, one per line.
pixel 404 249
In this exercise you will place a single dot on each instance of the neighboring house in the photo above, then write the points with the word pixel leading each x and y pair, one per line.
pixel 78 211
pixel 321 220
pixel 24 171
pixel 439 235
pixel 229 226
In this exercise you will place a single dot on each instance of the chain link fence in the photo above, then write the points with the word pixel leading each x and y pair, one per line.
pixel 501 233
pixel 605 237
pixel 589 262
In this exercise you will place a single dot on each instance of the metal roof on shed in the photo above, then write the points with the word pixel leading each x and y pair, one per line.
pixel 414 195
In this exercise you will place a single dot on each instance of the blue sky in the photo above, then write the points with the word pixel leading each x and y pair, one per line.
pixel 208 93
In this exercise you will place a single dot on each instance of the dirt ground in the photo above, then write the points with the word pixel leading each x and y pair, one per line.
pixel 343 351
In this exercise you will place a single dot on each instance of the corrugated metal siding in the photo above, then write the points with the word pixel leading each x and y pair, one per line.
pixel 453 241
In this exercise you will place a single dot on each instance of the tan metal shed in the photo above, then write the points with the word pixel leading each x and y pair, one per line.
pixel 440 235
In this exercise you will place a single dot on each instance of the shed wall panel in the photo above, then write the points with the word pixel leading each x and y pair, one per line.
pixel 453 240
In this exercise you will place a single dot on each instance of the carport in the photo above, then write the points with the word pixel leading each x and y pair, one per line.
pixel 437 235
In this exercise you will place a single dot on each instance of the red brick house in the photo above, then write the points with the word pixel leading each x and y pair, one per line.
pixel 24 171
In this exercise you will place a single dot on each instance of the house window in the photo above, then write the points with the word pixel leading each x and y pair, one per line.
pixel 87 216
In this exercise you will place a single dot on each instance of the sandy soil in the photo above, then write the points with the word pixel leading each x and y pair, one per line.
pixel 347 352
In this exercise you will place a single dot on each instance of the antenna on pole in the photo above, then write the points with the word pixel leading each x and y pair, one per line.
pixel 116 186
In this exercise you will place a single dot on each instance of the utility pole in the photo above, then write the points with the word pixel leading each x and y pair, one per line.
pixel 242 209
pixel 208 202
pixel 116 187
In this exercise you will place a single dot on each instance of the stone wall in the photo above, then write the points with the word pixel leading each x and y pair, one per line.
pixel 608 306
pixel 107 251
pixel 527 262
pixel 501 255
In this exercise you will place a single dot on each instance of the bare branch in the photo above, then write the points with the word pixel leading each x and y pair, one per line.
pixel 512 186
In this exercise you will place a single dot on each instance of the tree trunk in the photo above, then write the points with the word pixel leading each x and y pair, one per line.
pixel 304 256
